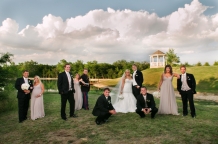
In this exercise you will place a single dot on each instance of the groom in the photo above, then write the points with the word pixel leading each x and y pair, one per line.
pixel 145 104
pixel 23 96
pixel 137 81
pixel 186 86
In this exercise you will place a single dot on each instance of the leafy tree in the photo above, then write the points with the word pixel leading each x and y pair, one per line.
pixel 206 64
pixel 215 63
pixel 199 64
pixel 171 57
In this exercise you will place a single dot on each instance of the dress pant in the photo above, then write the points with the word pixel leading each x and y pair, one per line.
pixel 23 105
pixel 101 118
pixel 142 114
pixel 136 91
pixel 188 96
pixel 85 100
pixel 70 97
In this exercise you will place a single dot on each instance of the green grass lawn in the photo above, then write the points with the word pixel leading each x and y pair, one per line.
pixel 121 128
pixel 206 78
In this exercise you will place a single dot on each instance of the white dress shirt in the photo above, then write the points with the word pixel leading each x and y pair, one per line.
pixel 69 80
pixel 133 77
pixel 185 86
pixel 25 80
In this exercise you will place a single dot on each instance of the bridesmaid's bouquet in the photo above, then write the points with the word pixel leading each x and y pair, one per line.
pixel 25 86
pixel 156 94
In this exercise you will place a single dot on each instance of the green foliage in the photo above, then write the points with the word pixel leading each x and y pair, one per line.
pixel 215 63
pixel 96 70
pixel 171 57
pixel 206 64
pixel 199 64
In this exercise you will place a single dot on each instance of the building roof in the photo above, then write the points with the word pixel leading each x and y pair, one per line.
pixel 158 52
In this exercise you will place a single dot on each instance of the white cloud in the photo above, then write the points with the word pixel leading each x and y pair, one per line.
pixel 107 36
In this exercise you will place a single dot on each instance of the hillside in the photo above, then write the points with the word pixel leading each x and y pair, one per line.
pixel 206 77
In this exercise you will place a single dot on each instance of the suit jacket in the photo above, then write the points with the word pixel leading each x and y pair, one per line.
pixel 190 81
pixel 149 102
pixel 85 88
pixel 139 78
pixel 20 92
pixel 102 106
pixel 63 84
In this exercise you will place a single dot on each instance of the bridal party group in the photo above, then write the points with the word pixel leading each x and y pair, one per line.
pixel 129 95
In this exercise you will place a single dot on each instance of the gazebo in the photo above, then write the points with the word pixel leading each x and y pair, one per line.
pixel 157 59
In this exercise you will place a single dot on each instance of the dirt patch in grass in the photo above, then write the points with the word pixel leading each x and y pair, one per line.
pixel 65 136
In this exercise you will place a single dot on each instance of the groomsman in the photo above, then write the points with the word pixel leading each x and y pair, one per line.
pixel 23 96
pixel 103 108
pixel 85 87
pixel 66 90
pixel 145 104
pixel 186 86
pixel 137 80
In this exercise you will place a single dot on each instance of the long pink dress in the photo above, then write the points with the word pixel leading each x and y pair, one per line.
pixel 37 106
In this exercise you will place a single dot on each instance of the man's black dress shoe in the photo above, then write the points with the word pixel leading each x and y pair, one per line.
pixel 98 123
pixel 74 116
pixel 184 114
pixel 64 119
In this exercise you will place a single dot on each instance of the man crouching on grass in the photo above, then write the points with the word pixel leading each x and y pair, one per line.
pixel 103 107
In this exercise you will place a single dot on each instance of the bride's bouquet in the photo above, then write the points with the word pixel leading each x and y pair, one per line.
pixel 25 86
pixel 121 96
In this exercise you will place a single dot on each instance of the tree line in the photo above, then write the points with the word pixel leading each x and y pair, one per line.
pixel 96 70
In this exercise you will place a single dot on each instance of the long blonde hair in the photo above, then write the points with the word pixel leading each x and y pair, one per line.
pixel 38 79
pixel 127 70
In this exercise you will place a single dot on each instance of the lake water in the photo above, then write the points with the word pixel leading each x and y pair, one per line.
pixel 51 86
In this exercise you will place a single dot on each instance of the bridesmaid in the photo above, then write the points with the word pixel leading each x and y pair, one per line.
pixel 168 103
pixel 78 93
pixel 37 106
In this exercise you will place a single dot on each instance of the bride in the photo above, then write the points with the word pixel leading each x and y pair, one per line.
pixel 122 97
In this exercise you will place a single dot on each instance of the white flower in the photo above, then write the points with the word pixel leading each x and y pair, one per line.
pixel 121 97
pixel 156 94
pixel 25 86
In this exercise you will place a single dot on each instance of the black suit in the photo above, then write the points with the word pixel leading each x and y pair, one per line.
pixel 139 80
pixel 66 93
pixel 187 95
pixel 85 89
pixel 149 103
pixel 102 107
pixel 23 99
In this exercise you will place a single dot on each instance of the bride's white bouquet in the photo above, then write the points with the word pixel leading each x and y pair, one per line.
pixel 121 96
pixel 25 86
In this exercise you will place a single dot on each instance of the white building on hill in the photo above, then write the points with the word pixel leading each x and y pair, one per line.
pixel 157 59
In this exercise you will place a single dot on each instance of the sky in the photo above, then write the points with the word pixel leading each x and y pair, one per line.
pixel 48 31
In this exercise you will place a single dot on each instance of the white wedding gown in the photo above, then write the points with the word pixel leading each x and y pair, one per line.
pixel 128 104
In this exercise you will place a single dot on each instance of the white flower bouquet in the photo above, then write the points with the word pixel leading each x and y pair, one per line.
pixel 25 86
pixel 156 94
pixel 121 96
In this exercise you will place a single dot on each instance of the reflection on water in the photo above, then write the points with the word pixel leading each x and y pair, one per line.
pixel 51 86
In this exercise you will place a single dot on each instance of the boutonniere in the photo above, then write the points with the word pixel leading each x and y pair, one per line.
pixel 29 81
pixel 136 75
pixel 188 78
pixel 147 100
pixel 109 101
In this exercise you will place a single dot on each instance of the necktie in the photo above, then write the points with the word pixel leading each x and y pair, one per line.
pixel 145 101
